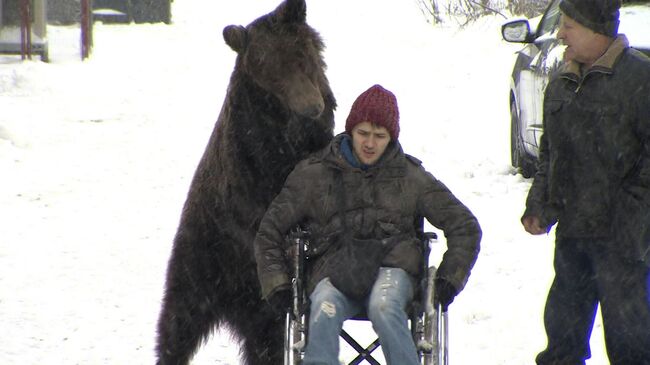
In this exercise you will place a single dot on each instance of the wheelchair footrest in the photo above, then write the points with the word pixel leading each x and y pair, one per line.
pixel 425 346
pixel 298 346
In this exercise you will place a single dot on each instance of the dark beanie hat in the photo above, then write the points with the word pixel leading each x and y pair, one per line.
pixel 601 16
pixel 378 106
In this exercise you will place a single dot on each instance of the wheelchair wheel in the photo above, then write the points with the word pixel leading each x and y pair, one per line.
pixel 295 333
pixel 432 339
pixel 294 340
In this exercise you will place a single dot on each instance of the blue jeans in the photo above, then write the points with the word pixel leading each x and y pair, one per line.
pixel 385 307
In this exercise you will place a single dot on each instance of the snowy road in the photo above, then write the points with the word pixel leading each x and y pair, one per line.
pixel 96 158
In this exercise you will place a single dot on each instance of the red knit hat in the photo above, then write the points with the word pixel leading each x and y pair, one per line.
pixel 378 106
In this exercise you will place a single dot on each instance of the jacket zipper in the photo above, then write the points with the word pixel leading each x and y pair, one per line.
pixel 581 80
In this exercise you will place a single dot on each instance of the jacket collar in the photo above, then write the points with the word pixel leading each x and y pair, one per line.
pixel 345 148
pixel 605 63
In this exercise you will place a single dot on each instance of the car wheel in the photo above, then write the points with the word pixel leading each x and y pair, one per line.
pixel 519 158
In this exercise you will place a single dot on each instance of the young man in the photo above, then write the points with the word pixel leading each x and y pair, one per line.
pixel 359 199
pixel 593 179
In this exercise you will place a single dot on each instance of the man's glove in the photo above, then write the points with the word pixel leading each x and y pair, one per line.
pixel 280 299
pixel 444 294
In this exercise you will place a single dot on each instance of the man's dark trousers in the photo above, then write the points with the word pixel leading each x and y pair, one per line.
pixel 589 271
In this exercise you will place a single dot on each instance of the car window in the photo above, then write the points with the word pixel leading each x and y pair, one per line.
pixel 551 19
pixel 635 25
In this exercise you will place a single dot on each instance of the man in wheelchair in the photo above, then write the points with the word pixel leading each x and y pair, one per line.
pixel 359 198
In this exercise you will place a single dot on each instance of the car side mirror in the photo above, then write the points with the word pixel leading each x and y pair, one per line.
pixel 516 31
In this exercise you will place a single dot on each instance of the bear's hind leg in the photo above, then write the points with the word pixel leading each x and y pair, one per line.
pixel 186 320
pixel 262 337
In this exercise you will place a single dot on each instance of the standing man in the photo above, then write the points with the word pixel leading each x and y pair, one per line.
pixel 593 180
pixel 359 198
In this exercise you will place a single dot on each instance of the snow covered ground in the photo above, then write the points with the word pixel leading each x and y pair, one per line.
pixel 96 158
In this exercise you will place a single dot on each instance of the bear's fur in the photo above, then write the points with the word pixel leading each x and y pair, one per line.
pixel 277 110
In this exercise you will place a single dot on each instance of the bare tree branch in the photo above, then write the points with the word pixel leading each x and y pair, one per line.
pixel 465 12
pixel 487 8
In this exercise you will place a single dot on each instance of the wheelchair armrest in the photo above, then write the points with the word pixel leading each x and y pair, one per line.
pixel 430 236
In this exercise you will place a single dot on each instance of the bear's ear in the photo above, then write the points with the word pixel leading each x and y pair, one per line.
pixel 236 37
pixel 294 11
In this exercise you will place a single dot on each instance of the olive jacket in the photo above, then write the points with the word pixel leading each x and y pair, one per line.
pixel 593 175
pixel 379 202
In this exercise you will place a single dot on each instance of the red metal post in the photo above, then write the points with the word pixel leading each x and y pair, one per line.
pixel 25 29
pixel 86 28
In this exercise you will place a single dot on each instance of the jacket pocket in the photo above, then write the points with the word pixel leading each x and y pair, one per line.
pixel 407 255
pixel 631 227
pixel 354 266
pixel 602 108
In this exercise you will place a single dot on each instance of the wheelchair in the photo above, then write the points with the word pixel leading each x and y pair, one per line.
pixel 428 323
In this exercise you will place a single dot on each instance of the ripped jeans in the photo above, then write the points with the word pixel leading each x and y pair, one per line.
pixel 385 307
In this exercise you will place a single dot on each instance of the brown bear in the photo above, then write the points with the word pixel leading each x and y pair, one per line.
pixel 277 110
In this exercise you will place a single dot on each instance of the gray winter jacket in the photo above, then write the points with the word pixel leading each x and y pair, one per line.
pixel 594 166
pixel 380 202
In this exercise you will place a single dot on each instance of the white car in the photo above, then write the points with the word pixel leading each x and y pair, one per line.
pixel 538 59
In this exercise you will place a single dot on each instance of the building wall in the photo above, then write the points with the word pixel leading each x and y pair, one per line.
pixel 10 12
pixel 143 11
pixel 63 11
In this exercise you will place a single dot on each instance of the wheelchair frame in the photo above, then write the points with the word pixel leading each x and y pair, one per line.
pixel 428 323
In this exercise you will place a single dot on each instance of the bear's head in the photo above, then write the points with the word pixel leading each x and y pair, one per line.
pixel 281 53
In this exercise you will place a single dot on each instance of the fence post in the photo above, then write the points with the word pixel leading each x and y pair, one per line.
pixel 25 29
pixel 86 28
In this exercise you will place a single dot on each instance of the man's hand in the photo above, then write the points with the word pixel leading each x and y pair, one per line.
pixel 445 293
pixel 280 300
pixel 531 224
